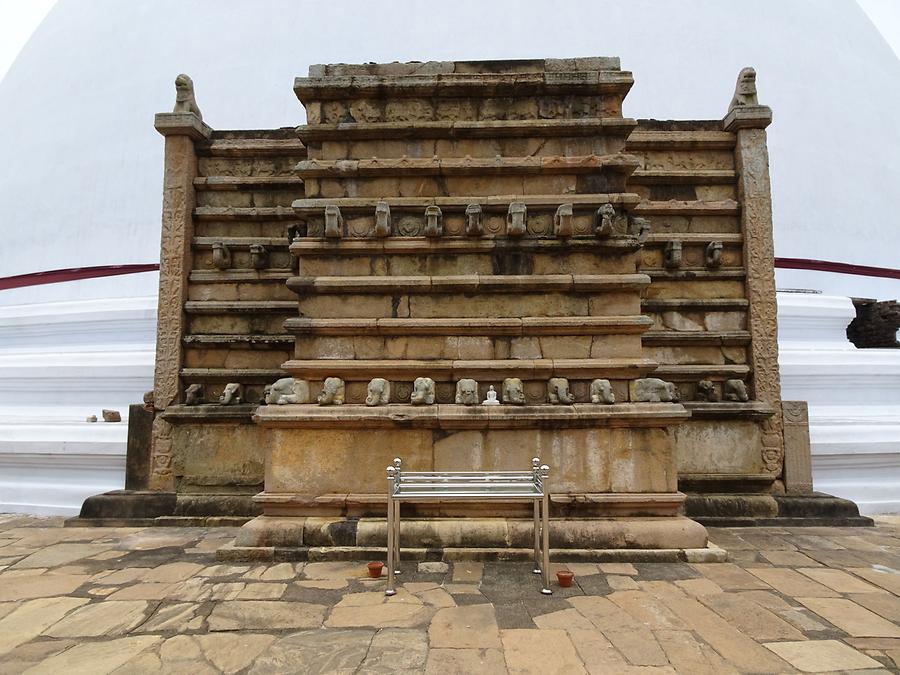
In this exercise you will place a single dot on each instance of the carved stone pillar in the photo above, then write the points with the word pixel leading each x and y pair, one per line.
pixel 749 123
pixel 797 457
pixel 181 131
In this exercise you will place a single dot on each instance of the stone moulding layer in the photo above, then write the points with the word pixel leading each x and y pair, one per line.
pixel 588 126
pixel 451 85
pixel 449 416
pixel 468 166
pixel 495 203
pixel 444 370
pixel 251 147
pixel 209 414
pixel 726 207
pixel 240 307
pixel 418 245
pixel 238 243
pixel 666 337
pixel 253 213
pixel 683 177
pixel 470 283
pixel 690 373
pixel 242 276
pixel 644 139
pixel 530 325
pixel 728 409
pixel 224 183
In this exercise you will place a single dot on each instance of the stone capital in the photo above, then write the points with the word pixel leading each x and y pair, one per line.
pixel 748 117
pixel 182 124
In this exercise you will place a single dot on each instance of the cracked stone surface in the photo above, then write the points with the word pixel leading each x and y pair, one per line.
pixel 154 600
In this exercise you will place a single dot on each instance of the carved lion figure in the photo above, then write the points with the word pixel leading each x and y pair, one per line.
pixel 287 390
pixel 603 220
pixel 601 392
pixel 558 391
pixel 378 392
pixel 233 394
pixel 467 392
pixel 706 391
pixel 193 395
pixel 184 96
pixel 332 392
pixel 423 391
pixel 736 390
pixel 744 89
pixel 513 392
pixel 654 390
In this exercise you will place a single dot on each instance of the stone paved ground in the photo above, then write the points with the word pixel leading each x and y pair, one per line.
pixel 100 600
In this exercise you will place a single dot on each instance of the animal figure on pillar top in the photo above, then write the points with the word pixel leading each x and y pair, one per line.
pixel 603 220
pixel 744 89
pixel 558 391
pixel 423 391
pixel 736 390
pixel 233 394
pixel 185 102
pixel 512 391
pixel 467 392
pixel 601 392
pixel 193 395
pixel 287 390
pixel 378 392
pixel 654 390
pixel 516 217
pixel 706 391
pixel 332 392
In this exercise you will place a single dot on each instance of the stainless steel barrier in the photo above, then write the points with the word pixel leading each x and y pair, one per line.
pixel 434 486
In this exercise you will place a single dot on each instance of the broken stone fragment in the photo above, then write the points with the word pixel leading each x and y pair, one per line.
pixel 111 416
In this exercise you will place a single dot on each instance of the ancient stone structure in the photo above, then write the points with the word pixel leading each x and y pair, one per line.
pixel 438 231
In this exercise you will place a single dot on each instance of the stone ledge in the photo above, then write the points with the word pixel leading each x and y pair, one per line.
pixel 701 371
pixel 209 413
pixel 320 247
pixel 683 177
pixel 719 338
pixel 182 124
pixel 681 141
pixel 590 126
pixel 446 370
pixel 234 183
pixel 252 147
pixel 231 276
pixel 467 166
pixel 244 213
pixel 747 117
pixel 702 304
pixel 469 283
pixel 725 207
pixel 529 325
pixel 239 243
pixel 423 68
pixel 729 409
pixel 450 416
pixel 240 307
pixel 493 203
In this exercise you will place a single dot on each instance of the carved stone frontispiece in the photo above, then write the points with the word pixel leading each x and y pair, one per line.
pixel 185 101
pixel 233 394
pixel 467 392
pixel 287 390
pixel 434 226
pixel 378 392
pixel 332 392
pixel 601 392
pixel 382 219
pixel 564 221
pixel 558 391
pixel 516 218
pixel 513 392
pixel 423 391
pixel 474 225
pixel 334 222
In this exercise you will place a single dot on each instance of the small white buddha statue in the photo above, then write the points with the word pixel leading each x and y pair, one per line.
pixel 491 397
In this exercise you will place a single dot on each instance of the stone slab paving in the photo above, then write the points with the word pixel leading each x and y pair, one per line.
pixel 154 600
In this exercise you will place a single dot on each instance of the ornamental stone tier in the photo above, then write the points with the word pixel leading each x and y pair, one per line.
pixel 445 231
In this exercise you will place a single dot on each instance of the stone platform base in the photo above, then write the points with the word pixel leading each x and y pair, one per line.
pixel 144 508
pixel 743 510
pixel 267 533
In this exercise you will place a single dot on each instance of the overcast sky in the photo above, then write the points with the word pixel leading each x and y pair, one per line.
pixel 19 19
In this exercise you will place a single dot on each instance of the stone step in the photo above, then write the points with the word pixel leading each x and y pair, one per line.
pixel 218 183
pixel 447 370
pixel 450 416
pixel 680 140
pixel 253 213
pixel 668 337
pixel 725 207
pixel 240 341
pixel 418 129
pixel 466 166
pixel 228 276
pixel 683 177
pixel 492 203
pixel 240 307
pixel 696 372
pixel 314 246
pixel 469 283
pixel 286 146
pixel 532 325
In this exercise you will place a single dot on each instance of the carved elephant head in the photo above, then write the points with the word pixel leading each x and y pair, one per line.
pixel 558 391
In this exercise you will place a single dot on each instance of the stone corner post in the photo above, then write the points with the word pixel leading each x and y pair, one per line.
pixel 749 122
pixel 181 131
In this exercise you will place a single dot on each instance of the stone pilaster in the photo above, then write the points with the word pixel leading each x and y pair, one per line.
pixel 754 194
pixel 181 130
pixel 797 457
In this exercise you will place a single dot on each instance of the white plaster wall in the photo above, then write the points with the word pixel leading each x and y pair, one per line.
pixel 854 400
pixel 83 164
